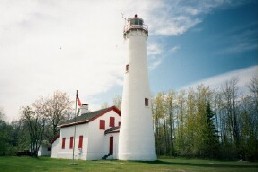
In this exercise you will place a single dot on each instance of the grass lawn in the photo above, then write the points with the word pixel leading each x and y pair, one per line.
pixel 27 164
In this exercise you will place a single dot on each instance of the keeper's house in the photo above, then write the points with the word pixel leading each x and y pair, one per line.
pixel 96 135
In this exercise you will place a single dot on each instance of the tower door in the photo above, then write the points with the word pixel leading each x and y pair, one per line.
pixel 111 145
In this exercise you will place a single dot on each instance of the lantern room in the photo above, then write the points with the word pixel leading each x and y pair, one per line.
pixel 135 24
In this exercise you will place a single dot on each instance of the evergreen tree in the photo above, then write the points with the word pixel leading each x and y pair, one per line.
pixel 211 148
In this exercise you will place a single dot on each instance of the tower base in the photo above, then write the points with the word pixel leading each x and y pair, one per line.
pixel 137 157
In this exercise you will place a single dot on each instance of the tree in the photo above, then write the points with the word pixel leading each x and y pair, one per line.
pixel 104 105
pixel 56 108
pixel 34 121
pixel 191 126
pixel 170 105
pixel 2 115
pixel 180 122
pixel 4 137
pixel 230 95
pixel 158 111
pixel 253 87
pixel 117 101
pixel 249 123
pixel 211 148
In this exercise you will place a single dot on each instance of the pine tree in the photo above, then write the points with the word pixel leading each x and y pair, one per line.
pixel 211 140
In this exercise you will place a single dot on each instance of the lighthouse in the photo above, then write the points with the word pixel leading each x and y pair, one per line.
pixel 136 140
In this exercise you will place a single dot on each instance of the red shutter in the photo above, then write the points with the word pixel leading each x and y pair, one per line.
pixel 80 141
pixel 71 143
pixel 102 124
pixel 112 122
pixel 63 143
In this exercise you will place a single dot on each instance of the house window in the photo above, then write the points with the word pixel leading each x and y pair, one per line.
pixel 80 141
pixel 71 143
pixel 146 102
pixel 112 122
pixel 127 68
pixel 63 143
pixel 119 123
pixel 102 124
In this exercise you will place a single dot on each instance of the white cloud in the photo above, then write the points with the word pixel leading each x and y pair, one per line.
pixel 63 46
pixel 155 63
pixel 176 26
pixel 241 39
pixel 243 75
pixel 175 48
pixel 239 48
pixel 177 17
pixel 154 49
pixel 155 58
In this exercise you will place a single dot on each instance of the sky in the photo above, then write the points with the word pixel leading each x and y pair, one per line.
pixel 49 45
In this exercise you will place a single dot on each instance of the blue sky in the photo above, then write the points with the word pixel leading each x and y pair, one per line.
pixel 49 45
pixel 225 40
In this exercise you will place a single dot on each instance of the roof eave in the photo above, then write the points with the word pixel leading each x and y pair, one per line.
pixel 73 123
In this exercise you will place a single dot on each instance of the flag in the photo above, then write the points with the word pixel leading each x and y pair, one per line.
pixel 78 101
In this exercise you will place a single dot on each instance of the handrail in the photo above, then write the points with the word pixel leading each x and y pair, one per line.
pixel 128 27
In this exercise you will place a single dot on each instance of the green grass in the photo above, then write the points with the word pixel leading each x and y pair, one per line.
pixel 27 164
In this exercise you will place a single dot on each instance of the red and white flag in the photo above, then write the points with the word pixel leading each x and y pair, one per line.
pixel 78 101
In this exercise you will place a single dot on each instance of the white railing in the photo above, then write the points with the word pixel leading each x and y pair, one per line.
pixel 128 27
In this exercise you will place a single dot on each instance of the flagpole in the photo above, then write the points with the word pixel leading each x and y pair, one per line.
pixel 75 123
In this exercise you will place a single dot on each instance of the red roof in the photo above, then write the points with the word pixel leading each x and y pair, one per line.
pixel 90 116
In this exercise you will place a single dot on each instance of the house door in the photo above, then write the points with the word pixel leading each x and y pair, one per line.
pixel 111 145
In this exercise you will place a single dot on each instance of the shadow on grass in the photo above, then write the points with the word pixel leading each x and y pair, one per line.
pixel 216 165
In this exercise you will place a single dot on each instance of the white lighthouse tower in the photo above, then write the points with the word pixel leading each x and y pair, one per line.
pixel 136 140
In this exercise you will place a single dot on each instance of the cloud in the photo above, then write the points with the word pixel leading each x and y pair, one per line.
pixel 155 57
pixel 155 63
pixel 175 48
pixel 177 17
pixel 46 47
pixel 154 49
pixel 176 26
pixel 240 48
pixel 243 75
pixel 240 39
pixel 155 54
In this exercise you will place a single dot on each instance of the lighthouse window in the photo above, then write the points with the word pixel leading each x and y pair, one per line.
pixel 136 21
pixel 146 102
pixel 127 68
